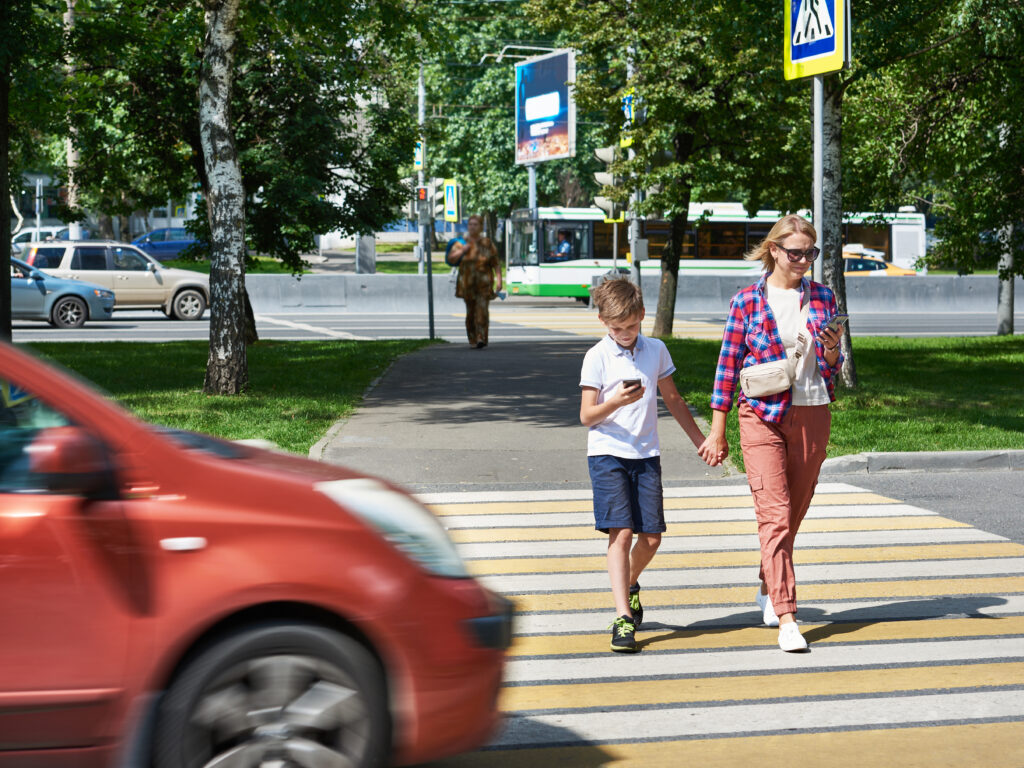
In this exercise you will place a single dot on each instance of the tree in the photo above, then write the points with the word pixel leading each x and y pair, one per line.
pixel 29 79
pixel 714 119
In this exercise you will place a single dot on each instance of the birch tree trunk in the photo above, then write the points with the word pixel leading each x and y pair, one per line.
pixel 669 285
pixel 227 370
pixel 1004 307
pixel 832 213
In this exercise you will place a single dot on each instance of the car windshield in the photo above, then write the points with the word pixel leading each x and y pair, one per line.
pixel 194 441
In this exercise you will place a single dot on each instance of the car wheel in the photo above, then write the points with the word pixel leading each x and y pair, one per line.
pixel 69 312
pixel 189 305
pixel 283 694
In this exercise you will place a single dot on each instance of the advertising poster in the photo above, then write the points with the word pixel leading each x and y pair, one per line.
pixel 545 110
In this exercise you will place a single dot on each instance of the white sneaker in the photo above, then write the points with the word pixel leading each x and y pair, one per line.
pixel 767 610
pixel 790 638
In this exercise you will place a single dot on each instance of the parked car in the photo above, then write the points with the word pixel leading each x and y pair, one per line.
pixel 139 281
pixel 858 260
pixel 165 244
pixel 36 295
pixel 174 600
pixel 33 234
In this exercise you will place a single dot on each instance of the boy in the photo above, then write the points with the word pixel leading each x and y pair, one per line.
pixel 623 450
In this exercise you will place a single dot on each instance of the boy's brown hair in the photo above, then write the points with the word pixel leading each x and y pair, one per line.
pixel 617 299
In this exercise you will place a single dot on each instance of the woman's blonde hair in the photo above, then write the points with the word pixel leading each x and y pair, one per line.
pixel 790 224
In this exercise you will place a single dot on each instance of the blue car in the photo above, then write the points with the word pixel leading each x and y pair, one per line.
pixel 36 295
pixel 164 244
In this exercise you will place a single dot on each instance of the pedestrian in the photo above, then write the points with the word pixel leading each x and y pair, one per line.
pixel 479 279
pixel 619 404
pixel 784 426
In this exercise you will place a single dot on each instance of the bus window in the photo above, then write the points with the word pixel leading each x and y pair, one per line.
pixel 876 237
pixel 603 240
pixel 523 250
pixel 565 243
pixel 657 233
pixel 721 241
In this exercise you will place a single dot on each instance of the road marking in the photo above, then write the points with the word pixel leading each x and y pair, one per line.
pixel 315 329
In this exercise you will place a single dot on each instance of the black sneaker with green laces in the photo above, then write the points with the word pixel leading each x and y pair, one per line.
pixel 634 605
pixel 623 635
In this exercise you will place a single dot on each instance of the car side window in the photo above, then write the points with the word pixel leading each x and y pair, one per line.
pixel 178 233
pixel 48 258
pixel 129 261
pixel 22 417
pixel 18 272
pixel 91 258
pixel 158 236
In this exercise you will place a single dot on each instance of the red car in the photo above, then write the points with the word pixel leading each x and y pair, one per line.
pixel 174 600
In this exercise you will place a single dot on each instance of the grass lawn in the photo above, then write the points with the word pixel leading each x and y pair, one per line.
pixel 264 265
pixel 391 267
pixel 943 394
pixel 297 388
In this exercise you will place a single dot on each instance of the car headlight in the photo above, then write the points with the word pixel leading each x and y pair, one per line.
pixel 101 294
pixel 404 522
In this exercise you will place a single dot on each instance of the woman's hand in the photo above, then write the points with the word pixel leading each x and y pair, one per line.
pixel 831 341
pixel 714 450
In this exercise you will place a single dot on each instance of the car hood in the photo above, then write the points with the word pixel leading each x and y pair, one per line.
pixel 181 275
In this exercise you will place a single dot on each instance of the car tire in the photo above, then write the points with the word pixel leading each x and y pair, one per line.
pixel 189 304
pixel 299 694
pixel 69 312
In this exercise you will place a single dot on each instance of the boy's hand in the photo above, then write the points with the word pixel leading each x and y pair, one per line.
pixel 714 450
pixel 626 396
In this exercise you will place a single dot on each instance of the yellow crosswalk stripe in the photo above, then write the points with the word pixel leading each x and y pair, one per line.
pixel 751 557
pixel 707 638
pixel 585 505
pixel 863 590
pixel 817 525
pixel 743 687
pixel 974 745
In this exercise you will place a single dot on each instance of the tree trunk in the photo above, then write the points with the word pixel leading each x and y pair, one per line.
pixel 227 370
pixel 5 206
pixel 831 225
pixel 1004 308
pixel 667 289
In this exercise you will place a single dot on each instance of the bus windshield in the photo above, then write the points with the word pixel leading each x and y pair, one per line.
pixel 523 247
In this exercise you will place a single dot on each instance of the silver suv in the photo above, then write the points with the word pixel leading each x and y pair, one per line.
pixel 137 280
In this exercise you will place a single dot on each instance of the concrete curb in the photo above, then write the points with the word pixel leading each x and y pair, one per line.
pixel 924 461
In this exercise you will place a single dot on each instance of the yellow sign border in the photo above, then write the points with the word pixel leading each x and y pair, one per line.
pixel 822 65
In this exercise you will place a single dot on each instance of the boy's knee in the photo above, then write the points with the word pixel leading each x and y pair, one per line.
pixel 651 540
pixel 620 537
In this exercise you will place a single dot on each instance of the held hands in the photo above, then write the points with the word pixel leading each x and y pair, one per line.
pixel 714 450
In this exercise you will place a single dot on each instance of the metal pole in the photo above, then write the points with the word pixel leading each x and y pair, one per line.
pixel 635 195
pixel 615 246
pixel 425 237
pixel 39 207
pixel 532 196
pixel 818 99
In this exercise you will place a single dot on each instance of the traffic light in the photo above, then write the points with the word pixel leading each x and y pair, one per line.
pixel 437 196
pixel 608 180
pixel 422 205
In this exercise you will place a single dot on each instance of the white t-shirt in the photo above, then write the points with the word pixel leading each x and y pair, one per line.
pixel 809 387
pixel 631 432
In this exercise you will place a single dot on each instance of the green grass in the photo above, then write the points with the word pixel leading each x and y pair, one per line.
pixel 945 394
pixel 395 248
pixel 989 272
pixel 297 388
pixel 410 267
pixel 262 265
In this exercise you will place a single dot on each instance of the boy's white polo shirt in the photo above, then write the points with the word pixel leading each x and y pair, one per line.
pixel 631 432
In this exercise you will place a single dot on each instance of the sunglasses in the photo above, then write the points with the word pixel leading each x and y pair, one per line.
pixel 795 255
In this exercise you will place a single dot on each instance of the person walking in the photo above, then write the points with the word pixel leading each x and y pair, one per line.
pixel 479 279
pixel 785 424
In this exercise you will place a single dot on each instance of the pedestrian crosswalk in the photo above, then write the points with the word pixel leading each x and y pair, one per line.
pixel 584 322
pixel 915 621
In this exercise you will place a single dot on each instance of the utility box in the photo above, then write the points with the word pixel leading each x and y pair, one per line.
pixel 366 255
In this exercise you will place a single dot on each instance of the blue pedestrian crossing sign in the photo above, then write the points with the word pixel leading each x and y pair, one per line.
pixel 816 39
pixel 451 200
pixel 417 157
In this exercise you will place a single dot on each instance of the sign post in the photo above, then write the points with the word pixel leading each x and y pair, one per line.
pixel 816 42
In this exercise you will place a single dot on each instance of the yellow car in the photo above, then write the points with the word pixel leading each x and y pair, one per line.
pixel 867 264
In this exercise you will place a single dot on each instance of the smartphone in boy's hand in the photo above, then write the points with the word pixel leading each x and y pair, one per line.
pixel 630 383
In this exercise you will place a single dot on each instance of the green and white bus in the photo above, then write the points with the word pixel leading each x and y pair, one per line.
pixel 558 251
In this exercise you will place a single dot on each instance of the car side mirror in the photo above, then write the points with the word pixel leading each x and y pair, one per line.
pixel 150 266
pixel 71 461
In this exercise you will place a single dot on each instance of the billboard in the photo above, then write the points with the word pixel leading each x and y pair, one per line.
pixel 545 110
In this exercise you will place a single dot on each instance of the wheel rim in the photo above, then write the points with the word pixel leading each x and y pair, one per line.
pixel 292 711
pixel 189 305
pixel 69 313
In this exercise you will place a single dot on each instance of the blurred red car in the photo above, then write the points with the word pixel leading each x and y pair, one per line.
pixel 173 600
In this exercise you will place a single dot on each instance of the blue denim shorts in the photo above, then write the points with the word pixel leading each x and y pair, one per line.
pixel 627 493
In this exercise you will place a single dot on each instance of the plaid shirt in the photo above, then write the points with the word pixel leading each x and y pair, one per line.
pixel 751 337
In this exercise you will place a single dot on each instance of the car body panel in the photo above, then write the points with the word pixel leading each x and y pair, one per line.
pixel 138 280
pixel 34 293
pixel 864 261
pixel 166 243
pixel 272 546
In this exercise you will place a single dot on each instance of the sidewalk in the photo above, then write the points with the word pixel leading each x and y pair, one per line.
pixel 448 417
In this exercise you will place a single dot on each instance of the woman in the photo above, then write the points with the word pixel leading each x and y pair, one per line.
pixel 479 279
pixel 784 435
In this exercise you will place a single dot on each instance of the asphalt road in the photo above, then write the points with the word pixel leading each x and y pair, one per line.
pixel 510 321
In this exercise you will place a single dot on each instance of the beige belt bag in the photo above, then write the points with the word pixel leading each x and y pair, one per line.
pixel 765 379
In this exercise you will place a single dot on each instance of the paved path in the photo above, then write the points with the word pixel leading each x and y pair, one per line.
pixel 916 625
pixel 448 416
